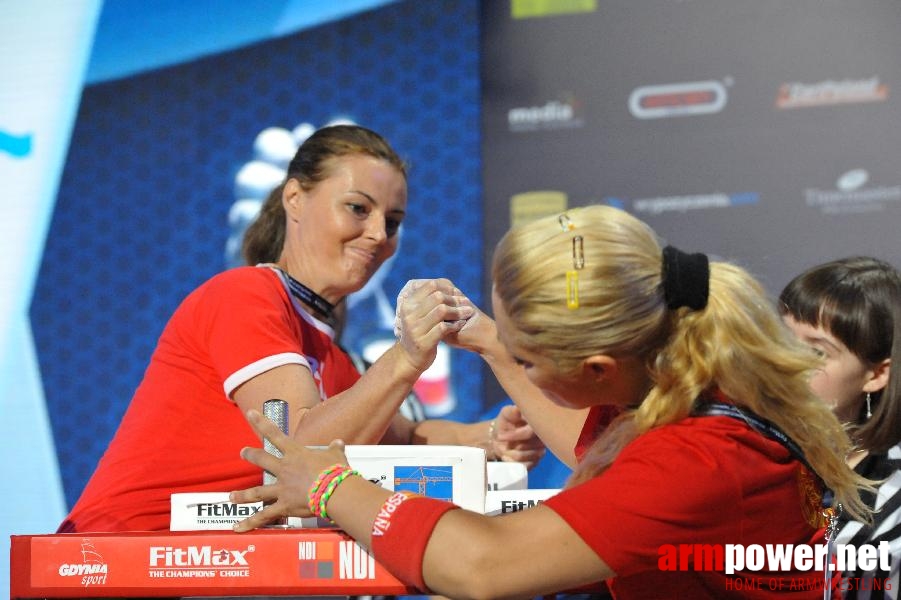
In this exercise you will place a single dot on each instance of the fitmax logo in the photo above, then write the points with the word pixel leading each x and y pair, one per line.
pixel 220 509
pixel 18 146
pixel 197 556
pixel 508 506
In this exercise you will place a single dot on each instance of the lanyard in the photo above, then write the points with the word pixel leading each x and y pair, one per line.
pixel 768 429
pixel 305 294
pixel 773 432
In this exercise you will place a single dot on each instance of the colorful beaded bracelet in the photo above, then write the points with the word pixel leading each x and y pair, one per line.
pixel 324 486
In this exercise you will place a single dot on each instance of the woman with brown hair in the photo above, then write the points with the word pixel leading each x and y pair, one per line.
pixel 266 331
pixel 849 311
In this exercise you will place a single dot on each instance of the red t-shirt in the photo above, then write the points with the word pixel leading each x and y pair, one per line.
pixel 597 420
pixel 703 480
pixel 182 432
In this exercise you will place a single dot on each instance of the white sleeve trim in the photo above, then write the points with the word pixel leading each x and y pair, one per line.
pixel 247 373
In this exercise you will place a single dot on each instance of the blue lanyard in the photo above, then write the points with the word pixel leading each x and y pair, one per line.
pixel 773 432
pixel 768 429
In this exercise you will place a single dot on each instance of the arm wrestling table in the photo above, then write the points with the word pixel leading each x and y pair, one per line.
pixel 196 563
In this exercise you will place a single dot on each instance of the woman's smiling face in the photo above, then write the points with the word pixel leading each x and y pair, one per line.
pixel 348 222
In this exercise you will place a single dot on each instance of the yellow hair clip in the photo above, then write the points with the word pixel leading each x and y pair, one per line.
pixel 572 290
pixel 572 276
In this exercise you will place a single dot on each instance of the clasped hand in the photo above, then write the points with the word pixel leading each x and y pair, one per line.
pixel 512 438
pixel 427 311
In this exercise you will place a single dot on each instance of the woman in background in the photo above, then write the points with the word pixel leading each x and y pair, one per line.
pixel 849 311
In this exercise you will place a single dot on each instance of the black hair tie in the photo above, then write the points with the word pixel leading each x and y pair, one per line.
pixel 686 279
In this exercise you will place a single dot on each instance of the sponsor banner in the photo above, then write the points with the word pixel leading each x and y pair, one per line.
pixel 678 99
pixel 824 93
pixel 684 203
pixel 563 113
pixel 501 502
pixel 261 562
pixel 853 195
pixel 207 510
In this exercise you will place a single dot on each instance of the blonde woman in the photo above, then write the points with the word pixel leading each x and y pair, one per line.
pixel 711 435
